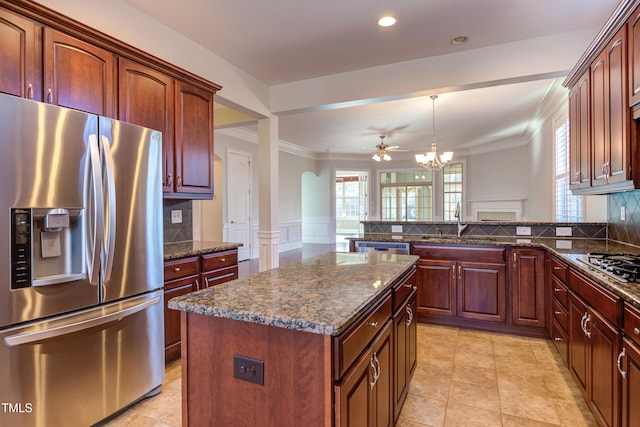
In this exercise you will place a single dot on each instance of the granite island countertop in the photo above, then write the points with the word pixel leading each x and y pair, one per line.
pixel 196 247
pixel 323 294
pixel 571 250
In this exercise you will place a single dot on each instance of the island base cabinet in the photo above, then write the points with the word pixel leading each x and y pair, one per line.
pixel 363 397
pixel 297 389
pixel 405 328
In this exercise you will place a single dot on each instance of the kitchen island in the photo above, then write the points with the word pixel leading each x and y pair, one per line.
pixel 312 343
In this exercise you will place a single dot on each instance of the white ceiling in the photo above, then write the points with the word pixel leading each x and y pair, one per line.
pixel 285 41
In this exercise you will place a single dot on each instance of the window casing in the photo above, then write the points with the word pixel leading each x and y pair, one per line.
pixel 451 190
pixel 567 206
pixel 347 197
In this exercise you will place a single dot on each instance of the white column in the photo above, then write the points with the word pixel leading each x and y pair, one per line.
pixel 268 229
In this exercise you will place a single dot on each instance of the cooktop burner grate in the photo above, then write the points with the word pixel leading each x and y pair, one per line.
pixel 624 267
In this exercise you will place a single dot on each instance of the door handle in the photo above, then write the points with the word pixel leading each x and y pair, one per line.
pixel 30 337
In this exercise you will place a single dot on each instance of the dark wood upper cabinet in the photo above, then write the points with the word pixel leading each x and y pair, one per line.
pixel 146 98
pixel 18 53
pixel 633 39
pixel 580 133
pixel 78 75
pixel 193 140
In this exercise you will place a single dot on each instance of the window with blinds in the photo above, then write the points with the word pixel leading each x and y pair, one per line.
pixel 567 207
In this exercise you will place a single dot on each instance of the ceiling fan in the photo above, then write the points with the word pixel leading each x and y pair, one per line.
pixel 381 150
pixel 384 131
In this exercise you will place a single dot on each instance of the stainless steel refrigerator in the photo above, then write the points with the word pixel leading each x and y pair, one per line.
pixel 81 265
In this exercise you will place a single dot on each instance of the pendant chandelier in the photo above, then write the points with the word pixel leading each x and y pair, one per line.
pixel 431 160
pixel 381 154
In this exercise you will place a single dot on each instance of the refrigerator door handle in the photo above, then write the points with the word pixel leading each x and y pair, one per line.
pixel 110 225
pixel 95 235
pixel 30 337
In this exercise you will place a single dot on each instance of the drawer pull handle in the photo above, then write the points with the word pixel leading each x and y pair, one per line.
pixel 558 290
pixel 555 267
pixel 557 313
pixel 557 339
pixel 620 356
pixel 409 316
pixel 408 285
pixel 177 269
pixel 376 374
pixel 223 259
pixel 636 331
pixel 373 324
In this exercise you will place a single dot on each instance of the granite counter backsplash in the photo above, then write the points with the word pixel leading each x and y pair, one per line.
pixel 196 247
pixel 322 294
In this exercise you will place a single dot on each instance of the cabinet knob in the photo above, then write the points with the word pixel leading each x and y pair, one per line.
pixel 557 290
pixel 177 269
pixel 557 313
pixel 557 339
pixel 555 267
pixel 636 331
pixel 373 324
pixel 223 259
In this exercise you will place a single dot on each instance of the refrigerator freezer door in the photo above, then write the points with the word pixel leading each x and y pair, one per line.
pixel 133 258
pixel 75 370
pixel 44 156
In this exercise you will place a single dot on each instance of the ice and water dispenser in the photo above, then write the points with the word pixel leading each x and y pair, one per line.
pixel 47 246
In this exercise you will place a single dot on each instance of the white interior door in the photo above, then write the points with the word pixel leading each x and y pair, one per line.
pixel 239 201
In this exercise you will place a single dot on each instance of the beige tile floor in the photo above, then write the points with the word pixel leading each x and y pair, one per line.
pixel 463 378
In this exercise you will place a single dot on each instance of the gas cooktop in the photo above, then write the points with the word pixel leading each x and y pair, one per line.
pixel 622 267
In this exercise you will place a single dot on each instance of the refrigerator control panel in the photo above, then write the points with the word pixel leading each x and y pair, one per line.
pixel 20 248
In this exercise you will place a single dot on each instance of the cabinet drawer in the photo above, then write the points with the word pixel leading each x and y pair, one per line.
pixel 174 269
pixel 560 291
pixel 632 323
pixel 561 340
pixel 350 344
pixel 605 302
pixel 560 314
pixel 559 269
pixel 402 290
pixel 461 253
pixel 219 276
pixel 219 260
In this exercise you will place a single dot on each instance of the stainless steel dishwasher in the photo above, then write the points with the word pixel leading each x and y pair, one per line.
pixel 389 247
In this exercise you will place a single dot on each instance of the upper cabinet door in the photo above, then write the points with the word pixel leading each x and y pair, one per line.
pixel 580 133
pixel 617 165
pixel 599 122
pixel 78 75
pixel 194 140
pixel 633 38
pixel 18 56
pixel 146 98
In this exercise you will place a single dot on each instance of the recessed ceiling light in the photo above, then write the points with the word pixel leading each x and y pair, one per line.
pixel 386 21
pixel 459 40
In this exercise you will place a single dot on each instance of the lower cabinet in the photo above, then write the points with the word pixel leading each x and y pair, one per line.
pixel 185 275
pixel 629 366
pixel 405 331
pixel 363 397
pixel 527 287
pixel 461 283
pixel 181 277
pixel 594 345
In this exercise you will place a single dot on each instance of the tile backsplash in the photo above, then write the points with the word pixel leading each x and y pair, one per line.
pixel 177 232
pixel 627 230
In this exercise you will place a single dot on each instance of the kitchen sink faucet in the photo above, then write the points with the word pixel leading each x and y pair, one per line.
pixel 458 214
